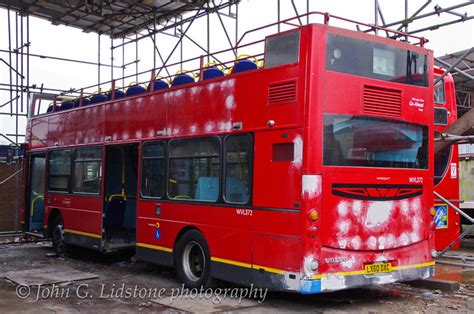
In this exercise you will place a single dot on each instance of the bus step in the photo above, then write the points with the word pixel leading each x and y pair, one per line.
pixel 35 234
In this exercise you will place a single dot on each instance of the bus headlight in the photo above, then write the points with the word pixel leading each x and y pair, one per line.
pixel 434 253
pixel 432 212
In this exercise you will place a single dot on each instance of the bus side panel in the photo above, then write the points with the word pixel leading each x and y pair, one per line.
pixel 82 215
pixel 227 234
pixel 278 169
pixel 230 233
pixel 449 228
pixel 283 254
pixel 80 126
pixel 39 133
pixel 141 111
pixel 93 131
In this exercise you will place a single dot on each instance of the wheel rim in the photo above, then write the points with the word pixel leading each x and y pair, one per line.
pixel 194 261
pixel 58 236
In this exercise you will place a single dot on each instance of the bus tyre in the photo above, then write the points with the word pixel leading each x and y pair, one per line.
pixel 193 260
pixel 59 245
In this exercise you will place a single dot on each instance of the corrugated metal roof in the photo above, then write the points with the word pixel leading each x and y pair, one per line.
pixel 467 65
pixel 117 18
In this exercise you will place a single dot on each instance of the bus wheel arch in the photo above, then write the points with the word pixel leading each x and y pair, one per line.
pixel 53 217
pixel 192 258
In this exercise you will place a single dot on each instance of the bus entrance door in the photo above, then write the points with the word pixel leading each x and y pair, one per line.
pixel 36 193
pixel 119 218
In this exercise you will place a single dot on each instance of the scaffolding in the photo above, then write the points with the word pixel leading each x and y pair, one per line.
pixel 130 22
pixel 134 21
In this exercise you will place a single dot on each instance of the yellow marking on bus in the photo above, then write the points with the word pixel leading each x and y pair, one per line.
pixel 345 273
pixel 413 266
pixel 282 272
pixel 246 265
pixel 155 247
pixel 226 261
pixel 87 234
pixel 269 269
pixel 362 272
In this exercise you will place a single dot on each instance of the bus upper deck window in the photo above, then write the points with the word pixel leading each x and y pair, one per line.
pixel 282 49
pixel 375 60
pixel 383 62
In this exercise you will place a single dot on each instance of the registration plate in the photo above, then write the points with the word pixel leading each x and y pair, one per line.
pixel 378 268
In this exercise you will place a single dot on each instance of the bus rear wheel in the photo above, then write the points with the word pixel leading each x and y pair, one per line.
pixel 193 260
pixel 59 244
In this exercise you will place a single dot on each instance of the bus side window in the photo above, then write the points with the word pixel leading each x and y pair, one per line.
pixel 440 116
pixel 282 49
pixel 237 169
pixel 194 169
pixel 439 96
pixel 59 170
pixel 87 170
pixel 153 169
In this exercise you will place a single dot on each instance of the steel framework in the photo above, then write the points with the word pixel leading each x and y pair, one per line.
pixel 134 21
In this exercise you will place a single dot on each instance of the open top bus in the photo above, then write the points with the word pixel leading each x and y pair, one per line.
pixel 307 168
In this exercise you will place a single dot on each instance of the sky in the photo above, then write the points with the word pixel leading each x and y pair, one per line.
pixel 72 43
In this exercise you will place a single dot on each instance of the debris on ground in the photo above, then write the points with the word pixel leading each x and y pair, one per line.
pixel 117 273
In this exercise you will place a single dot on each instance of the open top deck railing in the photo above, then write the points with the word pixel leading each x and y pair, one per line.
pixel 83 96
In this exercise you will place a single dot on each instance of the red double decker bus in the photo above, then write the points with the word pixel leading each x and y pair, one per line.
pixel 310 173
pixel 446 168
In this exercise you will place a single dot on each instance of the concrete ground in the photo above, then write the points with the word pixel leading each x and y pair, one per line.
pixel 116 274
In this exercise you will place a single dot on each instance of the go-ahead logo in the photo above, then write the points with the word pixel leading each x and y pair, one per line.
pixel 418 103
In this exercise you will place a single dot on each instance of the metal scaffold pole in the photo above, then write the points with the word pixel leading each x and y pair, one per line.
pixel 98 61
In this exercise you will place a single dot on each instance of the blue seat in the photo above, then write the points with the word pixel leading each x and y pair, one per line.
pixel 210 73
pixel 85 102
pixel 114 213
pixel 207 189
pixel 50 108
pixel 236 191
pixel 157 85
pixel 135 90
pixel 118 94
pixel 67 105
pixel 244 65
pixel 97 98
pixel 182 79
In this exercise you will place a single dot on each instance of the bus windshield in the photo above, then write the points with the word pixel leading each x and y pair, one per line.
pixel 374 142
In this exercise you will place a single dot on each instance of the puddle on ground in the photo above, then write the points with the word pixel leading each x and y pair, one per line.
pixel 448 272
pixel 467 277
pixel 454 273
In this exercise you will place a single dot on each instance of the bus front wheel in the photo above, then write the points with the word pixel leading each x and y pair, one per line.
pixel 193 260
pixel 59 244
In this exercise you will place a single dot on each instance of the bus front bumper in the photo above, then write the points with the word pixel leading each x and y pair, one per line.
pixel 340 281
